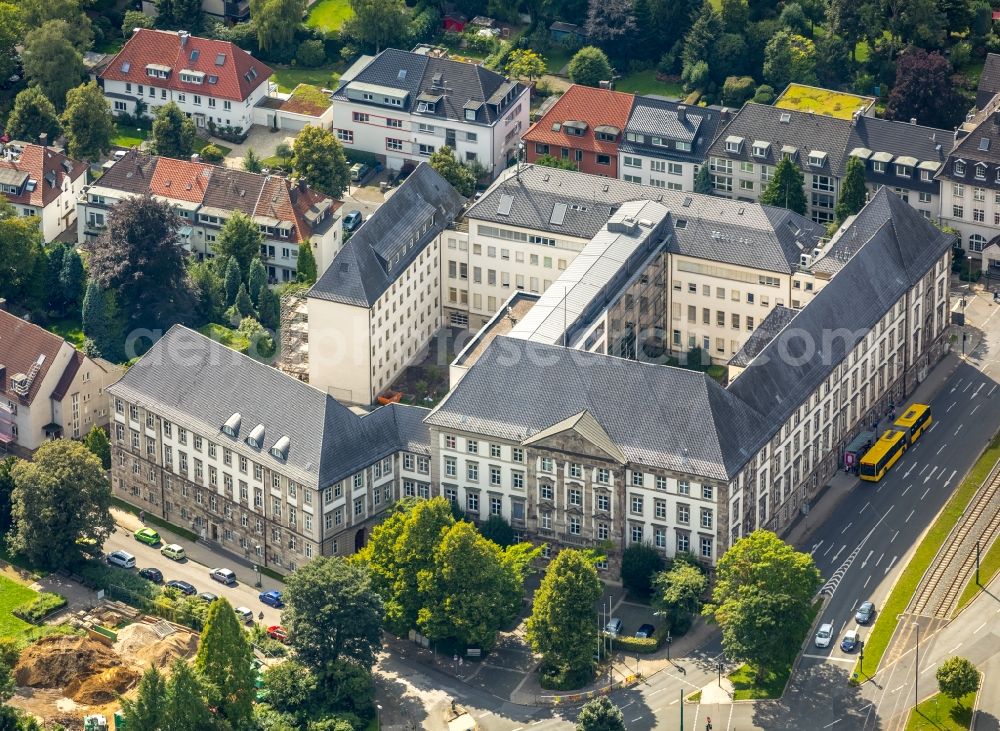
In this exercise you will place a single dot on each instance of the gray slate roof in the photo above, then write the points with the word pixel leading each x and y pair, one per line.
pixel 462 82
pixel 655 117
pixel 926 144
pixel 131 174
pixel 747 233
pixel 989 81
pixel 980 145
pixel 902 247
pixel 360 272
pixel 189 377
pixel 507 395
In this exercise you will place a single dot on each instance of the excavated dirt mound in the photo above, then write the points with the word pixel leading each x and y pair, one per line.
pixel 54 661
pixel 103 687
pixel 139 645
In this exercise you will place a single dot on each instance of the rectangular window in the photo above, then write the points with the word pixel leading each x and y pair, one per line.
pixel 636 504
pixel 345 135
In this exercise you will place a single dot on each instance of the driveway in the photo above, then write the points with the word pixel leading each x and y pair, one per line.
pixel 262 139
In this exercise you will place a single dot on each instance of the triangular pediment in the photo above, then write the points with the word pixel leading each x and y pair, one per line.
pixel 582 426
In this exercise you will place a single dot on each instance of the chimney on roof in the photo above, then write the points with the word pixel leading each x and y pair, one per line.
pixel 43 138
pixel 855 116
pixel 3 378
pixel 195 157
pixel 302 184
pixel 724 114
pixel 183 35
pixel 913 120
pixel 682 113
pixel 3 304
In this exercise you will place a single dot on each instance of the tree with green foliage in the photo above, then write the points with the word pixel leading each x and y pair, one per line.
pixel 252 162
pixel 925 90
pixel 292 689
pixel 98 321
pixel 239 239
pixel 51 62
pixel 306 264
pixel 640 563
pixel 269 308
pixel 6 499
pixel 225 662
pixel 71 280
pixel 377 24
pixel 284 153
pixel 243 304
pixel 789 57
pixel 32 115
pixel 677 595
pixel 319 157
pixel 737 90
pixel 87 122
pixel 786 188
pixel 699 47
pixel 61 495
pixel 589 66
pixel 97 442
pixel 465 591
pixel 145 710
pixel 24 267
pixel 180 15
pixel 957 677
pixel 311 53
pixel 209 291
pixel 497 529
pixel 443 160
pixel 703 181
pixel 762 599
pixel 137 255
pixel 333 613
pixel 11 35
pixel 173 133
pixel 661 27
pixel 400 548
pixel 256 279
pixel 524 63
pixel 551 161
pixel 600 714
pixel 36 13
pixel 212 154
pixel 276 22
pixel 852 190
pixel 133 19
pixel 563 622
pixel 186 709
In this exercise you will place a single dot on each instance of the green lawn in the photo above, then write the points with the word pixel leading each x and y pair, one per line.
pixel 906 585
pixel 69 328
pixel 128 136
pixel 200 144
pixel 329 15
pixel 745 684
pixel 288 79
pixel 557 57
pixel 941 713
pixel 645 82
pixel 13 595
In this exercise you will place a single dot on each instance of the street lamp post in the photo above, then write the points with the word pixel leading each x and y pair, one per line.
pixel 977 564
pixel 668 640
pixel 256 567
pixel 916 669
pixel 378 709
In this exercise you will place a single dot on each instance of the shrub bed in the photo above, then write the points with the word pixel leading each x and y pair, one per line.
pixel 642 645
pixel 40 607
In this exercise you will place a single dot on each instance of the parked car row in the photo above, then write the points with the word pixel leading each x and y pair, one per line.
pixel 852 638
pixel 614 628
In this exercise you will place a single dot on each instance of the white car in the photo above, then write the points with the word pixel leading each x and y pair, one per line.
pixel 824 635
pixel 122 559
pixel 245 615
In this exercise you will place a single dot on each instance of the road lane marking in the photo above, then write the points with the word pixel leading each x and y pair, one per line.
pixel 930 475
pixel 674 701
pixel 896 690
pixel 976 630
pixel 941 449
pixel 846 527
pixel 832 723
pixel 952 650
pixel 978 389
pixel 991 391
pixel 879 559
pixel 927 490
pixel 909 516
pixel 838 552
pixel 959 429
pixel 974 409
pixel 950 478
pixel 637 718
pixel 828 549
pixel 907 489
pixel 891 564
pixel 967 387
pixel 815 548
pixel 933 427
pixel 866 581
pixel 925 468
pixel 912 466
pixel 865 562
pixel 830 658
pixel 950 407
pixel 628 704
pixel 893 536
pixel 864 508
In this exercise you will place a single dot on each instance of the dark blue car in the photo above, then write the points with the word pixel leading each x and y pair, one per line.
pixel 272 599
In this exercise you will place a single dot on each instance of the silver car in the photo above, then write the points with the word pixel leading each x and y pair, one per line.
pixel 824 635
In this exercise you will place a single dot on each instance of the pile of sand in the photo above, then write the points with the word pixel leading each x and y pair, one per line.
pixel 140 645
pixel 54 661
pixel 103 687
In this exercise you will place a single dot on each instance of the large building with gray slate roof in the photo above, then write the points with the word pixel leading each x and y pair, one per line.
pixel 901 156
pixel 255 462
pixel 402 106
pixel 575 447
pixel 377 306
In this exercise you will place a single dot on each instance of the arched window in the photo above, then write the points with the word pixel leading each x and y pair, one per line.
pixel 976 242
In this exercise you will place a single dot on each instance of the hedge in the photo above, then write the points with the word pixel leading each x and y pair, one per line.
pixel 40 607
pixel 641 645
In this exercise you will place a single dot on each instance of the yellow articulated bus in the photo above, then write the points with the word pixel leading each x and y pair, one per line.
pixel 915 421
pixel 887 450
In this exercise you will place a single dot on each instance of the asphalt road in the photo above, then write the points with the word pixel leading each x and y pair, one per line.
pixel 243 593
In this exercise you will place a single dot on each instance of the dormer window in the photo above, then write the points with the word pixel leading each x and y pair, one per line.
pixel 817 158
pixel 232 425
pixel 683 146
pixel 256 438
pixel 470 114
pixel 733 143
pixel 633 137
pixel 760 148
pixel 192 77
pixel 903 171
pixel 878 166
pixel 157 71
pixel 981 171
pixel 366 96
pixel 605 136
pixel 959 167
pixel 280 448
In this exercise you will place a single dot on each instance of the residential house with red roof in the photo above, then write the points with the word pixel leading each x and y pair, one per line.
pixel 209 80
pixel 48 389
pixel 585 126
pixel 287 212
pixel 40 181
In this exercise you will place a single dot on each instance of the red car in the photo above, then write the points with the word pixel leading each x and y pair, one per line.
pixel 277 632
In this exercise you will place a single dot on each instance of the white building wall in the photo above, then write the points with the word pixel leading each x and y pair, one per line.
pixel 200 107
pixel 340 350
pixel 659 173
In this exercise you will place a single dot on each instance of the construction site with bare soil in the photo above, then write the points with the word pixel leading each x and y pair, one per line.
pixel 63 677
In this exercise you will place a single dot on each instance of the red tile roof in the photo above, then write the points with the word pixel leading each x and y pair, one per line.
pixel 21 344
pixel 595 107
pixel 180 179
pixel 39 162
pixel 238 75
